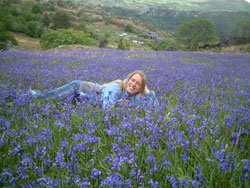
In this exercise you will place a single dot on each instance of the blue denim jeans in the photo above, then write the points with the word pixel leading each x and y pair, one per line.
pixel 74 88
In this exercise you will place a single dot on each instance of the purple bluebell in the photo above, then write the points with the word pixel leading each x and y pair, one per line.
pixel 95 173
pixel 184 183
pixel 59 160
pixel 174 181
pixel 198 174
pixel 115 180
pixel 153 185
pixel 228 121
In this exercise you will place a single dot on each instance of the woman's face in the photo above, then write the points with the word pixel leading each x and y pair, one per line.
pixel 134 84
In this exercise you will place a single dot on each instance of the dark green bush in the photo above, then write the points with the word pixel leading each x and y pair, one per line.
pixel 123 45
pixel 52 8
pixel 107 35
pixel 21 19
pixel 61 20
pixel 129 28
pixel 103 43
pixel 34 29
pixel 28 16
pixel 37 9
pixel 2 26
pixel 247 49
pixel 52 39
pixel 165 45
pixel 96 36
pixel 4 37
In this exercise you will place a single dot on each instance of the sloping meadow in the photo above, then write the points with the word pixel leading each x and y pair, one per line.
pixel 197 137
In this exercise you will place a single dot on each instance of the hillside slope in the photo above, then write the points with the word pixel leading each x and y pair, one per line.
pixel 169 19
pixel 82 17
pixel 184 5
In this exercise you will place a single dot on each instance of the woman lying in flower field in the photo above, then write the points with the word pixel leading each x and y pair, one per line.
pixel 133 89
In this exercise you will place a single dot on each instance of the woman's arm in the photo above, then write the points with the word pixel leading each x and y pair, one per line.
pixel 111 94
pixel 146 90
pixel 148 97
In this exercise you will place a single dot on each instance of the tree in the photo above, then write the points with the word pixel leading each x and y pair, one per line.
pixel 241 32
pixel 103 43
pixel 37 9
pixel 46 20
pixel 4 37
pixel 129 28
pixel 61 20
pixel 34 29
pixel 123 45
pixel 197 31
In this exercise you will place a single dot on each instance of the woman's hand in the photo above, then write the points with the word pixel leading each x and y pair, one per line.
pixel 146 90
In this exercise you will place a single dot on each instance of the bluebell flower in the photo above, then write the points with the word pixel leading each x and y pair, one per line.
pixel 198 175
pixel 174 181
pixel 59 160
pixel 245 169
pixel 153 185
pixel 220 154
pixel 224 166
pixel 92 161
pixel 150 158
pixel 166 162
pixel 27 161
pixel 83 183
pixel 184 183
pixel 116 165
pixel 128 183
pixel 233 166
pixel 235 137
pixel 195 183
pixel 73 165
pixel 6 174
pixel 39 171
pixel 16 150
pixel 244 176
pixel 228 121
pixel 115 180
pixel 185 158
pixel 107 159
pixel 95 173
pixel 64 144
pixel 175 121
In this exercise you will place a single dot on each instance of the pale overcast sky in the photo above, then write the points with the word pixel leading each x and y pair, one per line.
pixel 247 1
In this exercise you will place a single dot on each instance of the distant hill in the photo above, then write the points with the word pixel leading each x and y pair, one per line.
pixel 169 14
pixel 183 5
pixel 170 19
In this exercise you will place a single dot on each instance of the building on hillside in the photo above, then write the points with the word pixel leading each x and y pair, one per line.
pixel 154 36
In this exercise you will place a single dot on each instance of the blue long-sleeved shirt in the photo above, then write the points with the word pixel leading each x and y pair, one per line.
pixel 112 93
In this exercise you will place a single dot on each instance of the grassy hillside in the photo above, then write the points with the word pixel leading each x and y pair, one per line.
pixel 27 42
pixel 28 26
pixel 187 5
pixel 170 19
pixel 169 14
pixel 20 19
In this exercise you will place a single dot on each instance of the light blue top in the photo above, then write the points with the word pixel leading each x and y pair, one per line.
pixel 112 93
